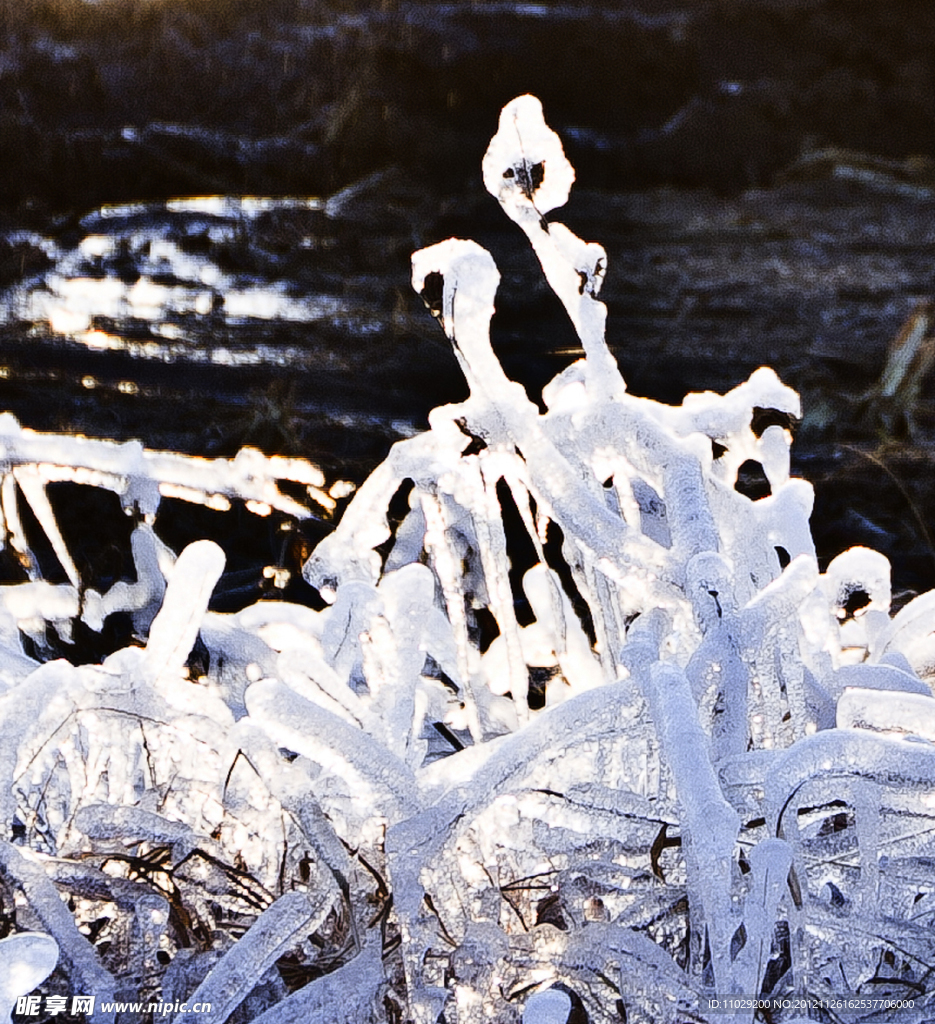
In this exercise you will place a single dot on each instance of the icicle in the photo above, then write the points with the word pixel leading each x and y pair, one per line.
pixel 770 862
pixel 303 670
pixel 496 566
pixel 711 823
pixel 323 737
pixel 175 628
pixel 274 932
pixel 349 553
pixel 867 676
pixel 143 598
pixel 14 526
pixel 887 711
pixel 557 618
pixel 33 488
pixel 445 564
pixel 469 283
pixel 409 595
pixel 38 604
pixel 345 996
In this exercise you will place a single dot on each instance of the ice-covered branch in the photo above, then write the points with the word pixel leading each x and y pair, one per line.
pixel 526 170
pixel 578 726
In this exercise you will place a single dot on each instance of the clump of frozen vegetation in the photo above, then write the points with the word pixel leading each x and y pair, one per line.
pixel 582 728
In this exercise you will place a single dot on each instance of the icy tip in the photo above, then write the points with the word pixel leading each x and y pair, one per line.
pixel 456 266
pixel 550 1007
pixel 26 960
pixel 525 168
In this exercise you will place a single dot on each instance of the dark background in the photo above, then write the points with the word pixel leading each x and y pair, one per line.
pixel 761 173
pixel 297 97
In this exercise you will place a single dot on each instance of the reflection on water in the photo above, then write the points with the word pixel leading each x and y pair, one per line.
pixel 207 323
pixel 145 279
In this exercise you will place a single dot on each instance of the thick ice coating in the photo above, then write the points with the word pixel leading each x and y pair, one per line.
pixel 573 726
pixel 26 960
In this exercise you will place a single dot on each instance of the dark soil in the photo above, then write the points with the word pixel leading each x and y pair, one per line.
pixel 761 173
pixel 124 99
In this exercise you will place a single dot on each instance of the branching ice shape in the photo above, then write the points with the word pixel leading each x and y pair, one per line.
pixel 141 599
pixel 31 461
pixel 301 725
pixel 526 170
pixel 141 477
pixel 587 728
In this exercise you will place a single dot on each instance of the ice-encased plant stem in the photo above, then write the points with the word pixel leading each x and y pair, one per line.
pixel 586 720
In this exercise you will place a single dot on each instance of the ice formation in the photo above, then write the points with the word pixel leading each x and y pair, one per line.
pixel 26 960
pixel 580 724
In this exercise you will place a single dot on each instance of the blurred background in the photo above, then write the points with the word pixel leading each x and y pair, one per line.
pixel 761 173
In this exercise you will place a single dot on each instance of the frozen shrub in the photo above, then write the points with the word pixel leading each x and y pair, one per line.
pixel 584 729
